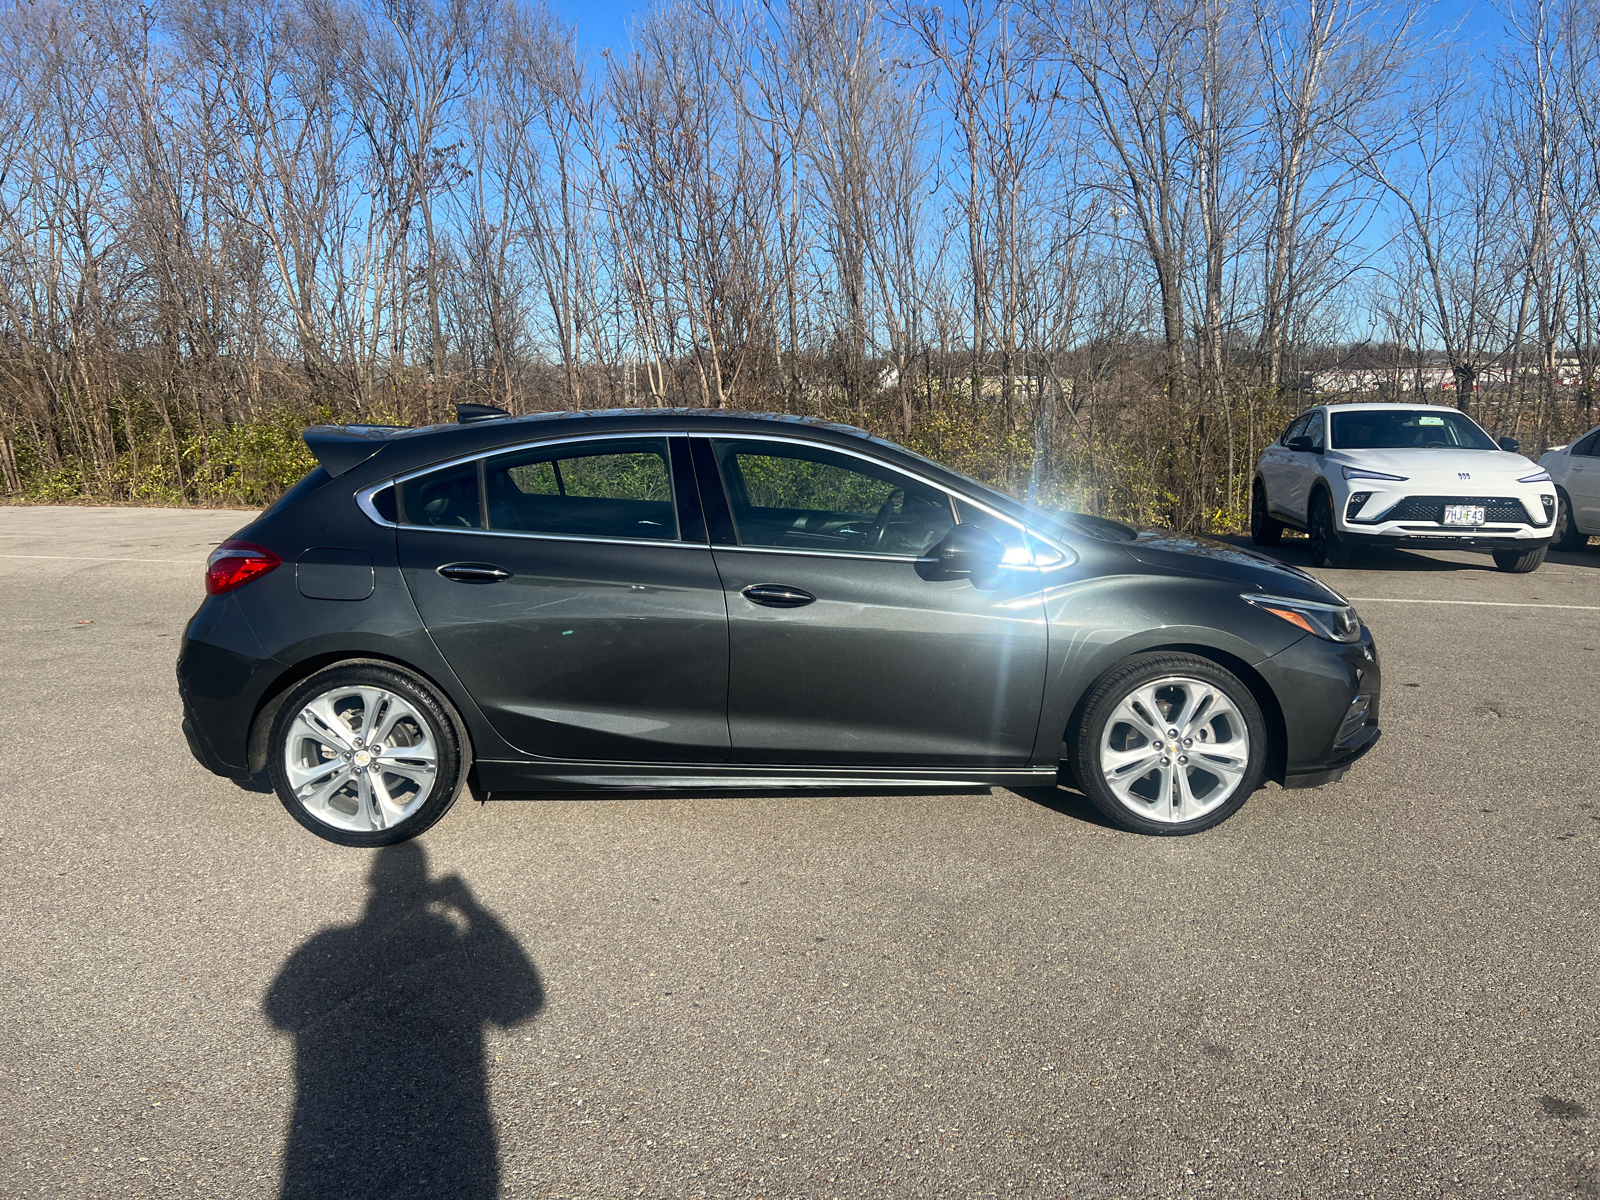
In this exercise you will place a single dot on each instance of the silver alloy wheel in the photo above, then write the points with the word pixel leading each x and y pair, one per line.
pixel 1174 749
pixel 360 758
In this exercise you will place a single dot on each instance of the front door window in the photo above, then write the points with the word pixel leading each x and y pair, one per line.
pixel 795 497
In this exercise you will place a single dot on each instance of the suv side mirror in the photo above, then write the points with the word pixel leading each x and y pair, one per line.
pixel 1510 444
pixel 968 550
pixel 1301 444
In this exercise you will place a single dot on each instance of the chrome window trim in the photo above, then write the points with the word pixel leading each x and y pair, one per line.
pixel 1068 556
pixel 364 496
pixel 369 509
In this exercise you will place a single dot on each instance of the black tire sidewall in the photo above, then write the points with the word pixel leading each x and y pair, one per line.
pixel 1264 530
pixel 1570 538
pixel 1520 562
pixel 1134 672
pixel 443 728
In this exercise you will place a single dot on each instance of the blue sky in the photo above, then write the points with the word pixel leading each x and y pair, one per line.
pixel 603 23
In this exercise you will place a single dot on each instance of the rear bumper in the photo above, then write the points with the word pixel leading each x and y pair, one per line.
pixel 222 675
pixel 203 752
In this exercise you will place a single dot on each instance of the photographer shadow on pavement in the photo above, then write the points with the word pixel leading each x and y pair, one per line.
pixel 388 1015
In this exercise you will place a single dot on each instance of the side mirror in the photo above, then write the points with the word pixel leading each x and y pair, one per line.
pixel 1301 444
pixel 1510 444
pixel 969 550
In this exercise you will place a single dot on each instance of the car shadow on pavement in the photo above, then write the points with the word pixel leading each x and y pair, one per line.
pixel 1067 801
pixel 1296 553
pixel 388 1016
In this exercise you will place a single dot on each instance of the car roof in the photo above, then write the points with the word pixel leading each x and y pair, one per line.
pixel 1389 406
pixel 392 450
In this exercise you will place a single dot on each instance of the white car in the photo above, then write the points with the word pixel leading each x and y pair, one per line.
pixel 1575 470
pixel 1416 476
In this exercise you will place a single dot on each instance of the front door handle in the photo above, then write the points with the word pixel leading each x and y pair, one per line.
pixel 474 572
pixel 776 595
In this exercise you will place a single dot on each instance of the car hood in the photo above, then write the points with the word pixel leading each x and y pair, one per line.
pixel 1444 465
pixel 1251 572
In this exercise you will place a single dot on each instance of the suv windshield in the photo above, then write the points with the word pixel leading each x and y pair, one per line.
pixel 1407 429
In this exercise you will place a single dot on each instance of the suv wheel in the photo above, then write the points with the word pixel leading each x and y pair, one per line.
pixel 1326 548
pixel 365 755
pixel 1567 536
pixel 1519 562
pixel 1264 531
pixel 1170 744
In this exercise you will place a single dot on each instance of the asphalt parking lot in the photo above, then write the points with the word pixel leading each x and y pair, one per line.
pixel 1385 987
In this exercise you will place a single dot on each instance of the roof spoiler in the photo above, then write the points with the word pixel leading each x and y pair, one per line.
pixel 466 414
pixel 339 447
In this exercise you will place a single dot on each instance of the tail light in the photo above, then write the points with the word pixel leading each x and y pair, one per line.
pixel 235 563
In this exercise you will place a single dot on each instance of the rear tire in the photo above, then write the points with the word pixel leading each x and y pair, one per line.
pixel 1519 562
pixel 1326 548
pixel 365 754
pixel 1567 535
pixel 1191 778
pixel 1264 530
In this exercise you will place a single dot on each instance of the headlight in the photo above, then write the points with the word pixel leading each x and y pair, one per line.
pixel 1332 622
pixel 1536 477
pixel 1363 473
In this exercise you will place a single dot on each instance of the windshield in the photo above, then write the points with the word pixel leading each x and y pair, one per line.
pixel 1407 429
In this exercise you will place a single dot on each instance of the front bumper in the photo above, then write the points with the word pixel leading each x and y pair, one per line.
pixel 1530 539
pixel 1336 770
pixel 1514 516
pixel 1330 694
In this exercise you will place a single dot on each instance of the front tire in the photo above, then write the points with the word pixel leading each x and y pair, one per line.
pixel 1567 534
pixel 1326 548
pixel 364 754
pixel 1264 531
pixel 1170 744
pixel 1519 562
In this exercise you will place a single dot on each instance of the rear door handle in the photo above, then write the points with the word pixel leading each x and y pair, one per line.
pixel 776 595
pixel 474 572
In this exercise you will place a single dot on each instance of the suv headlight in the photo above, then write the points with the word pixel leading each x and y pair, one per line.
pixel 1540 476
pixel 1332 622
pixel 1364 473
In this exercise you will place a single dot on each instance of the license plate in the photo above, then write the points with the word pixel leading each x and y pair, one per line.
pixel 1463 514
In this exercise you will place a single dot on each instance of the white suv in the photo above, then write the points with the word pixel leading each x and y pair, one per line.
pixel 1575 470
pixel 1408 475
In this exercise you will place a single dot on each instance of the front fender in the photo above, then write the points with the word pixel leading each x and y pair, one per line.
pixel 1097 623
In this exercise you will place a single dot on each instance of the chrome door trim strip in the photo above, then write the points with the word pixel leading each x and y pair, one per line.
pixel 560 537
pixel 906 558
pixel 364 496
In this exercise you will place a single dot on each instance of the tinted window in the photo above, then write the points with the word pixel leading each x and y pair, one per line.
pixel 1314 430
pixel 1407 429
pixel 806 498
pixel 610 488
pixel 1296 428
pixel 383 503
pixel 447 498
pixel 1588 447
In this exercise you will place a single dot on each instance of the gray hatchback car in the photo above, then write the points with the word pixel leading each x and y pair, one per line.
pixel 670 599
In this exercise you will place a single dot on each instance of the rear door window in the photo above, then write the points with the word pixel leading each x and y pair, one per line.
pixel 446 498
pixel 1589 447
pixel 608 488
